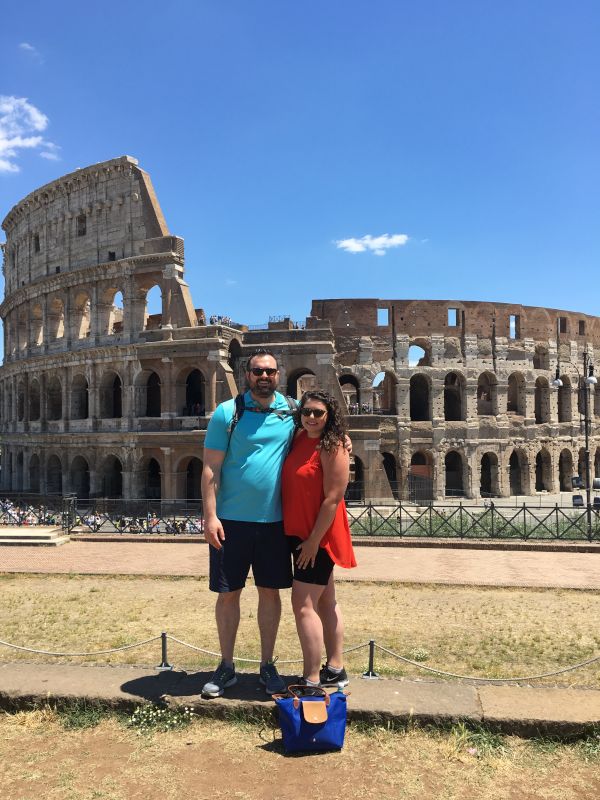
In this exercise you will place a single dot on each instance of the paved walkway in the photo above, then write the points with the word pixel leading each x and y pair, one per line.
pixel 441 565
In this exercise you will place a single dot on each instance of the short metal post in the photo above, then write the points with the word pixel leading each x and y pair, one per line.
pixel 370 674
pixel 164 665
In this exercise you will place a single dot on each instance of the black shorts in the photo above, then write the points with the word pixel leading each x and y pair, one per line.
pixel 320 573
pixel 260 545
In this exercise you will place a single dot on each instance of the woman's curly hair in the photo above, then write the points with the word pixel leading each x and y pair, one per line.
pixel 334 432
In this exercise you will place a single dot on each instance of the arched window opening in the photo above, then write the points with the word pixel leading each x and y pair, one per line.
pixel 153 480
pixel 111 396
pixel 34 474
pixel 515 403
pixel 453 397
pixel 37 325
pixel 80 477
pixel 391 471
pixel 153 310
pixel 355 489
pixel 541 358
pixel 420 407
pixel 22 330
pixel 54 399
pixel 54 475
pixel 21 403
pixel 489 483
pixel 542 401
pixel 82 316
pixel 56 319
pixel 543 471
pixel 453 464
pixel 515 474
pixel 112 478
pixel 115 319
pixel 300 381
pixel 418 356
pixel 351 391
pixel 420 479
pixel 564 400
pixel 193 476
pixel 384 393
pixel 195 404
pixel 153 400
pixel 487 394
pixel 79 398
pixel 565 471
pixel 234 359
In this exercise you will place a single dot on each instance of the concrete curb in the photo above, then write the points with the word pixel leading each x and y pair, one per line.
pixel 519 710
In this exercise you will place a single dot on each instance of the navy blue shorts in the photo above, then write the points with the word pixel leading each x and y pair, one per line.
pixel 260 545
pixel 320 573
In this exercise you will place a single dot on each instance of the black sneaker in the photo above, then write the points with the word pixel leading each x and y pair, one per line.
pixel 306 690
pixel 223 678
pixel 328 677
pixel 271 679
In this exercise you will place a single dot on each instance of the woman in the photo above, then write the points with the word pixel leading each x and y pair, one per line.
pixel 315 476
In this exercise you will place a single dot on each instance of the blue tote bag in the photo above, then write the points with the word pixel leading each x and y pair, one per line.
pixel 312 723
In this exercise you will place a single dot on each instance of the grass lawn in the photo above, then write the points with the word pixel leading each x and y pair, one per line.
pixel 475 631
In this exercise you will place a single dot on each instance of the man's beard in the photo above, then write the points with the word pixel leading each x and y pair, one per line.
pixel 263 390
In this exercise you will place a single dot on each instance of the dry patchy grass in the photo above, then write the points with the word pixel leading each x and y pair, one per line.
pixel 40 759
pixel 486 631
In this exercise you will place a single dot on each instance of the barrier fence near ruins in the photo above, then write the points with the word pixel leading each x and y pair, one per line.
pixel 180 517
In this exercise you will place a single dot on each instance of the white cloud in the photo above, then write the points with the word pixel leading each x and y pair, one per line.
pixel 32 51
pixel 374 244
pixel 21 124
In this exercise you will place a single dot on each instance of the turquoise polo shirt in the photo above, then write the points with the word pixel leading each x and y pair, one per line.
pixel 250 489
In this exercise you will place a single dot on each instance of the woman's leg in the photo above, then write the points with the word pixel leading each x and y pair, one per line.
pixel 305 601
pixel 333 625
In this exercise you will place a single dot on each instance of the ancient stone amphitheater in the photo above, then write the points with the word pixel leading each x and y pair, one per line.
pixel 100 398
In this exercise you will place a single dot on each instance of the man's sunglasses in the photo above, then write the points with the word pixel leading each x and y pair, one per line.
pixel 317 413
pixel 258 371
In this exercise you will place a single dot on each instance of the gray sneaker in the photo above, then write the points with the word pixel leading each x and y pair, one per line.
pixel 271 679
pixel 223 678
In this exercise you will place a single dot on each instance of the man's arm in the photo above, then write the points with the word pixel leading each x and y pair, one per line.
pixel 211 477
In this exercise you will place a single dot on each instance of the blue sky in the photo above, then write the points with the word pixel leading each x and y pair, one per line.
pixel 386 149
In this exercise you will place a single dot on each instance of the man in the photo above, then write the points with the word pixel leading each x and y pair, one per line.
pixel 241 487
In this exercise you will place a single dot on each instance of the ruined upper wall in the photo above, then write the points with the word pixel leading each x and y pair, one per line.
pixel 422 318
pixel 91 216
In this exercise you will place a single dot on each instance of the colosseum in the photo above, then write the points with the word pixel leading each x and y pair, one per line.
pixel 101 398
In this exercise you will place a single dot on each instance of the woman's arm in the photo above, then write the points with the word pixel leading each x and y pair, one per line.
pixel 335 480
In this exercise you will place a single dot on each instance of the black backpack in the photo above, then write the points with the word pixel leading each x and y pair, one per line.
pixel 240 407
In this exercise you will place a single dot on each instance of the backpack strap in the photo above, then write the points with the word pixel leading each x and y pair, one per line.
pixel 240 407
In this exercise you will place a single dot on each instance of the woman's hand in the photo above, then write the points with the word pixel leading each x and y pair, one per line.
pixel 307 553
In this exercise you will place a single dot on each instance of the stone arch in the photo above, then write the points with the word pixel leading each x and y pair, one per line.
pixel 384 393
pixel 112 311
pixel 351 390
pixel 54 483
pixel 80 477
pixel 518 473
pixel 152 475
pixel 543 471
pixel 20 401
pixel 542 400
pixel 34 474
pixel 82 315
pixel 111 474
pixel 111 396
pixel 541 358
pixel 299 381
pixel 565 392
pixel 487 394
pixel 565 470
pixel 54 407
pixel 419 353
pixel 153 301
pixel 22 332
pixel 153 395
pixel 19 472
pixel 188 478
pixel 489 483
pixel 356 484
pixel 420 478
pixel 390 467
pixel 37 325
pixel 34 400
pixel 420 397
pixel 56 318
pixel 454 397
pixel 79 397
pixel 454 468
pixel 515 399
pixel 190 389
pixel 234 360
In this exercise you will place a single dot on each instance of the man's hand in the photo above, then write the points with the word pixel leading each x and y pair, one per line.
pixel 214 533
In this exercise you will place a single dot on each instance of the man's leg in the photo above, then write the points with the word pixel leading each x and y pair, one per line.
pixel 269 614
pixel 227 615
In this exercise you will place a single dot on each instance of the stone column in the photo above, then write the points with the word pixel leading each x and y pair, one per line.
pixel 169 479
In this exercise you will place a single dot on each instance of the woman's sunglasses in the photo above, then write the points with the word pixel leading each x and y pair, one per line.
pixel 258 371
pixel 317 413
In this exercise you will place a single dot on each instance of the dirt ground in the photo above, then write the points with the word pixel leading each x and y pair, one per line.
pixel 491 632
pixel 41 760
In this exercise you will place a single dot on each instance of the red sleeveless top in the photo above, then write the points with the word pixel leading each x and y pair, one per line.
pixel 302 496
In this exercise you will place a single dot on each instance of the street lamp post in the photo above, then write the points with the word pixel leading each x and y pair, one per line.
pixel 589 379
